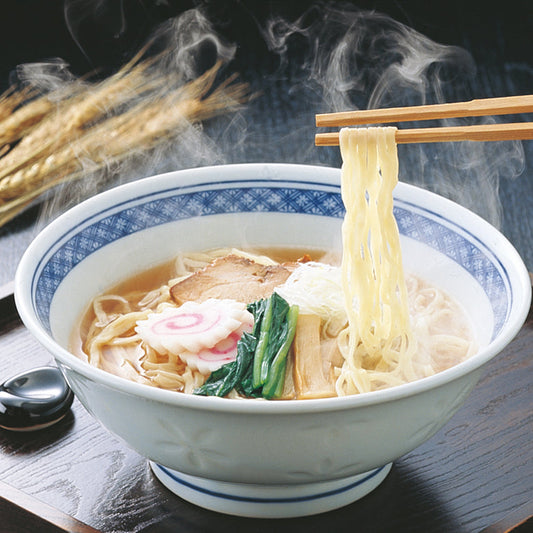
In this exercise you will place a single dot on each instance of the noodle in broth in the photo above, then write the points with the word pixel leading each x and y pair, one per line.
pixel 379 340
pixel 377 328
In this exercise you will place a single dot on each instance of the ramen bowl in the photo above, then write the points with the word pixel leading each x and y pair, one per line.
pixel 256 457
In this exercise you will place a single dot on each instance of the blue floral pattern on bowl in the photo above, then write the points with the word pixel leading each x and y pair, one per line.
pixel 243 197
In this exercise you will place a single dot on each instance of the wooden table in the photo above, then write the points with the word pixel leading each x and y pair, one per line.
pixel 474 473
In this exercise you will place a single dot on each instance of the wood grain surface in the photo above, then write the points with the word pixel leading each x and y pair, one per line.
pixel 26 514
pixel 474 473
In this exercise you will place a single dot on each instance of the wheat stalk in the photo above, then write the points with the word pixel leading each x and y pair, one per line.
pixel 11 99
pixel 65 120
pixel 90 132
pixel 17 120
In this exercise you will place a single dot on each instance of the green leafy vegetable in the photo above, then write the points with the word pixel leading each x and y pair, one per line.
pixel 259 368
pixel 262 341
pixel 273 386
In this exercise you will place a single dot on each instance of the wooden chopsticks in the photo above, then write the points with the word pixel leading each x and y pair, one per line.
pixel 488 132
pixel 481 107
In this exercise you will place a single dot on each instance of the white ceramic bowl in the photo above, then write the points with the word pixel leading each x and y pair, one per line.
pixel 264 458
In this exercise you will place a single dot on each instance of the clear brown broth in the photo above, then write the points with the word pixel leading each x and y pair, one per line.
pixel 154 277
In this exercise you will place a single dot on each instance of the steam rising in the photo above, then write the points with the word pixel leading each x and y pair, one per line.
pixel 181 51
pixel 359 59
pixel 331 58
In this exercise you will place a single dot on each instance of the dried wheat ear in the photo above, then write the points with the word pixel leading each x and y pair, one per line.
pixel 48 139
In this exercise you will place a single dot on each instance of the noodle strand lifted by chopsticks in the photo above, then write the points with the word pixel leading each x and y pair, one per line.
pixel 378 343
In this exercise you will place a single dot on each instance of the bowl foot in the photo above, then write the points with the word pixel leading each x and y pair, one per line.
pixel 270 501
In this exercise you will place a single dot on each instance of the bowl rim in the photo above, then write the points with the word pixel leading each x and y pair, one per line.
pixel 29 262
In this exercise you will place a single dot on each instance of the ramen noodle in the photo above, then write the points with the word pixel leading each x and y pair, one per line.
pixel 362 324
pixel 379 342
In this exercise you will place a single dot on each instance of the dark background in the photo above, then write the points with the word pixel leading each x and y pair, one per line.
pixel 496 33
pixel 102 34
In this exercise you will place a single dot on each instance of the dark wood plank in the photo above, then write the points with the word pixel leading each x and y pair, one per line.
pixel 518 521
pixel 21 513
pixel 76 466
pixel 475 472
pixel 7 289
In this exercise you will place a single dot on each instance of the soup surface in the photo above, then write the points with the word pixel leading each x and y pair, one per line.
pixel 192 325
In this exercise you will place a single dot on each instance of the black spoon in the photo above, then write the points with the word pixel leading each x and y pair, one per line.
pixel 34 400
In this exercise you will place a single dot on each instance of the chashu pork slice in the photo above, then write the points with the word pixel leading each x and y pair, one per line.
pixel 232 277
